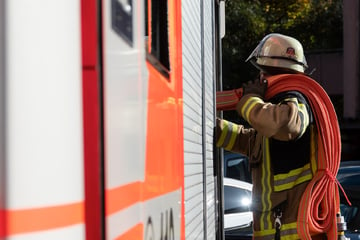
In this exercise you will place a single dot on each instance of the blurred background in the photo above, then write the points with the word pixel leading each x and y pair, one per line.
pixel 329 32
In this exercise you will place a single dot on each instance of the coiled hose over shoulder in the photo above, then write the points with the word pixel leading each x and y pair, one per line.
pixel 320 201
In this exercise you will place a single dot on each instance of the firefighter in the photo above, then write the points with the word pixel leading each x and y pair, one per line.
pixel 280 143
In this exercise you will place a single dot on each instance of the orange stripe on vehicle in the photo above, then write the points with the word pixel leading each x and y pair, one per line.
pixel 164 159
pixel 122 197
pixel 164 170
pixel 37 219
pixel 134 233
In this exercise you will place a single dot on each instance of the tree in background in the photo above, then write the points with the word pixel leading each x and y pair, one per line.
pixel 317 24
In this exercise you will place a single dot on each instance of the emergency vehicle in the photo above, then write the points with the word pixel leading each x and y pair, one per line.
pixel 107 112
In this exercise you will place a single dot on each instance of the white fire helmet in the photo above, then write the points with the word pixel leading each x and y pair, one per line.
pixel 279 52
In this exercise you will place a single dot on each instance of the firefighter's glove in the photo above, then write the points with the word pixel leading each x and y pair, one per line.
pixel 257 87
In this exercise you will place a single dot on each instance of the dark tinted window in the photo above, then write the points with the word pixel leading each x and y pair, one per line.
pixel 122 19
pixel 237 169
pixel 159 53
pixel 236 200
pixel 159 27
pixel 236 166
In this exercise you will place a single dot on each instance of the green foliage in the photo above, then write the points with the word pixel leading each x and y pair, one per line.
pixel 317 24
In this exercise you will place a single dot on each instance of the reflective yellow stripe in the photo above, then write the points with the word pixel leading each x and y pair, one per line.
pixel 294 100
pixel 305 120
pixel 233 136
pixel 228 135
pixel 293 172
pixel 294 177
pixel 288 232
pixel 247 113
pixel 263 233
pixel 248 106
pixel 313 147
pixel 289 226
pixel 265 218
pixel 290 185
pixel 224 131
pixel 303 109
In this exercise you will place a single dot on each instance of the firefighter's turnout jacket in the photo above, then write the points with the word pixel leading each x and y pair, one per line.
pixel 282 156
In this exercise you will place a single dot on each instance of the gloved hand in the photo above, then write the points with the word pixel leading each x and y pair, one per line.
pixel 257 87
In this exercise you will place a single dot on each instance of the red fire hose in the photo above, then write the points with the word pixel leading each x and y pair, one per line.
pixel 320 201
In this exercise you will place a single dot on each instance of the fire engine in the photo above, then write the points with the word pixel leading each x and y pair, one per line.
pixel 107 112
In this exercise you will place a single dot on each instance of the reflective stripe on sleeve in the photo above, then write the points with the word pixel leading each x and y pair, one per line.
pixel 304 116
pixel 303 113
pixel 228 135
pixel 248 106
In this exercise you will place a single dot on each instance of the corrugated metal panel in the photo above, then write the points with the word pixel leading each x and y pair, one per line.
pixel 198 77
pixel 209 116
pixel 192 84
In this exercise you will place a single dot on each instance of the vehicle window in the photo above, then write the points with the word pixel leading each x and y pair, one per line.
pixel 122 19
pixel 237 200
pixel 237 168
pixel 158 54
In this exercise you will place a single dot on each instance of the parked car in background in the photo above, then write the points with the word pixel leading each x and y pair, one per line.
pixel 237 214
pixel 237 197
pixel 349 178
